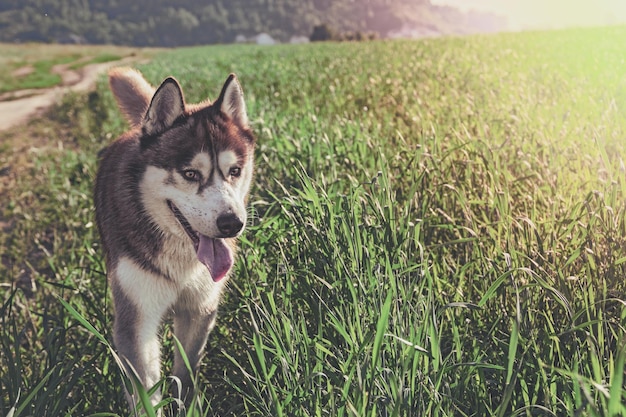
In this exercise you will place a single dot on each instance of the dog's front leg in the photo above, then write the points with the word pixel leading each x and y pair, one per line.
pixel 192 327
pixel 141 300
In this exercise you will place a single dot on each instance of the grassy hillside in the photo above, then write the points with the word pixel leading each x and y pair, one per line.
pixel 439 229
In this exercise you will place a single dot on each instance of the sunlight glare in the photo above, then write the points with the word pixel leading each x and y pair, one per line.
pixel 548 14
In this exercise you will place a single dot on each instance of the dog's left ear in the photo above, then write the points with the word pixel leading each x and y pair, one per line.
pixel 231 103
pixel 167 105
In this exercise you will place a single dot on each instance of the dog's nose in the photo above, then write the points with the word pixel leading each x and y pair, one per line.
pixel 229 224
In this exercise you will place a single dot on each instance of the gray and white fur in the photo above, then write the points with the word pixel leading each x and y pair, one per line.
pixel 170 200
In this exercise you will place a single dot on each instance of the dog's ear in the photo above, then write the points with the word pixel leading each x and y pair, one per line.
pixel 167 105
pixel 132 93
pixel 230 101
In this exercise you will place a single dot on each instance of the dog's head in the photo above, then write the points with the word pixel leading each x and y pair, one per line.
pixel 198 161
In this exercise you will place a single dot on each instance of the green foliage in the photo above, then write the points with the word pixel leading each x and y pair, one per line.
pixel 193 22
pixel 438 229
pixel 322 33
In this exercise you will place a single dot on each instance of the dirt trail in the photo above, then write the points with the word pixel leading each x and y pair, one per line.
pixel 19 106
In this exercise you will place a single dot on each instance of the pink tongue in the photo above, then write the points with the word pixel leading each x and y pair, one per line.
pixel 216 256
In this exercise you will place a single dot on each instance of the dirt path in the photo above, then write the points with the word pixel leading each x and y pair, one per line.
pixel 19 106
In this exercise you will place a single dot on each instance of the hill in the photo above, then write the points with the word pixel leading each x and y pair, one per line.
pixel 194 22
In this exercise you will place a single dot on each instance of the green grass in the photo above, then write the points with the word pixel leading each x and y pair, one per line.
pixel 98 59
pixel 40 59
pixel 39 76
pixel 439 229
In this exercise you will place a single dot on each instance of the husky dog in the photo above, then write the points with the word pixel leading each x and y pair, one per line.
pixel 170 199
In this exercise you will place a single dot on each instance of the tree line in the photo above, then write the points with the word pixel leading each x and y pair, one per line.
pixel 192 22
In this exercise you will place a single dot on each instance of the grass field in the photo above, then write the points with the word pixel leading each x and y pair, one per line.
pixel 439 229
pixel 32 66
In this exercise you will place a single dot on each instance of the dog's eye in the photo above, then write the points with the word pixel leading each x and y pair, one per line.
pixel 235 172
pixel 191 175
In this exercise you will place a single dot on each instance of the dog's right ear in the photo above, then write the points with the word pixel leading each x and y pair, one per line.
pixel 132 93
pixel 231 103
pixel 167 105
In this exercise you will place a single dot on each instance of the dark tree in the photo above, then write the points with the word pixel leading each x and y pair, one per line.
pixel 322 33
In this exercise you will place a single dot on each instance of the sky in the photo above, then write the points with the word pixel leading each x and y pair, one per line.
pixel 525 14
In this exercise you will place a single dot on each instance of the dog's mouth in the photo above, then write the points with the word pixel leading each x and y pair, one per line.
pixel 214 253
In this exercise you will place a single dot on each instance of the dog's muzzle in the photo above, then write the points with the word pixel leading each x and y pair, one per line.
pixel 214 253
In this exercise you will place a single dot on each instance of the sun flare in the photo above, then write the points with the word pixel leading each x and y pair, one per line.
pixel 530 14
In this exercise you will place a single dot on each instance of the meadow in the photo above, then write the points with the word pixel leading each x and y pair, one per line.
pixel 438 229
pixel 36 66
